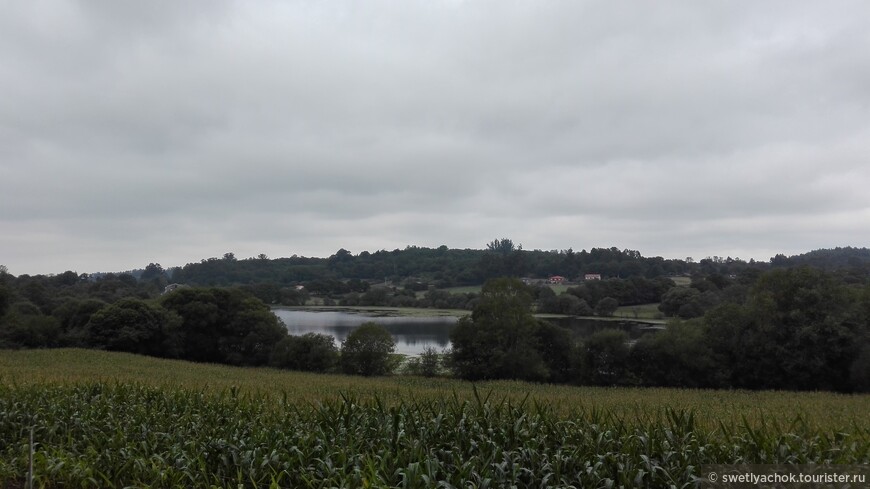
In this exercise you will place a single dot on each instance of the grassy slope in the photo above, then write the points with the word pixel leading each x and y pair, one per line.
pixel 826 411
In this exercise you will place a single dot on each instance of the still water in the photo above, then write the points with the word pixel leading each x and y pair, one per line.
pixel 413 333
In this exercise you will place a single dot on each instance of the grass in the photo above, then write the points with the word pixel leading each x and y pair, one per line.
pixel 643 311
pixel 465 289
pixel 118 420
pixel 475 289
pixel 75 366
pixel 681 280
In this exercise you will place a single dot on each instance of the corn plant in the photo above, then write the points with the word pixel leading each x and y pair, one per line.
pixel 100 434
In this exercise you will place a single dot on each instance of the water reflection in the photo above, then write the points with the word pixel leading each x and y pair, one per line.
pixel 584 327
pixel 412 334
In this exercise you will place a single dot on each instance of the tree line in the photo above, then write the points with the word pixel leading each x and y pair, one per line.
pixel 733 326
pixel 215 325
pixel 439 267
pixel 796 329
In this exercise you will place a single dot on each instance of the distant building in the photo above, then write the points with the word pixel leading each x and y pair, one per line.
pixel 557 279
pixel 592 276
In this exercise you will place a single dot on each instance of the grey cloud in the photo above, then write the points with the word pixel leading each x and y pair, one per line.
pixel 184 130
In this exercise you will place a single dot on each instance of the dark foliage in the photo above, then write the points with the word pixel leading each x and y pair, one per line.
pixel 503 340
pixel 757 325
pixel 135 326
pixel 224 325
pixel 310 352
pixel 366 351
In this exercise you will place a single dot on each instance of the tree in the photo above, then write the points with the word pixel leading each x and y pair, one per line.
pixel 678 299
pixel 74 315
pixel 310 352
pixel 555 345
pixel 225 325
pixel 135 326
pixel 569 304
pixel 604 359
pixel 498 340
pixel 24 326
pixel 152 271
pixel 859 372
pixel 799 330
pixel 5 299
pixel 366 351
pixel 502 246
pixel 606 306
pixel 547 302
pixel 679 356
pixel 427 364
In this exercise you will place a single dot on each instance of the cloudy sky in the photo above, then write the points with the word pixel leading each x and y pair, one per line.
pixel 137 132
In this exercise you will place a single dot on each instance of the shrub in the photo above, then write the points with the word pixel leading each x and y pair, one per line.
pixel 428 364
pixel 311 352
pixel 606 306
pixel 604 359
pixel 135 326
pixel 225 325
pixel 366 351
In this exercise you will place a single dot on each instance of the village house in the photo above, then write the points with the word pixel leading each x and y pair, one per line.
pixel 557 279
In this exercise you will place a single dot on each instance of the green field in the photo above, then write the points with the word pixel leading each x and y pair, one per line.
pixel 465 289
pixel 681 280
pixel 109 419
pixel 643 311
pixel 475 289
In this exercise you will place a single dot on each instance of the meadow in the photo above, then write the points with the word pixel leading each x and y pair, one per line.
pixel 112 420
pixel 642 311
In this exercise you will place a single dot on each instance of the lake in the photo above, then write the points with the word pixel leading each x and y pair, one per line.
pixel 414 333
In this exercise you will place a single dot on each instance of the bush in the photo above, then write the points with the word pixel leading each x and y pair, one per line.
pixel 498 340
pixel 606 306
pixel 604 359
pixel 428 364
pixel 28 331
pixel 366 351
pixel 135 326
pixel 860 371
pixel 310 352
pixel 225 325
pixel 679 356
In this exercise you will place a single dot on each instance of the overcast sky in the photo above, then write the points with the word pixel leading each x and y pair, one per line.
pixel 137 132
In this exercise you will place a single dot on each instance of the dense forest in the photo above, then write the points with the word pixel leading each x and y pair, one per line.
pixel 796 322
pixel 443 267
pixel 440 267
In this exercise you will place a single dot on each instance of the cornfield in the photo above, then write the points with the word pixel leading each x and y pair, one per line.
pixel 114 434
